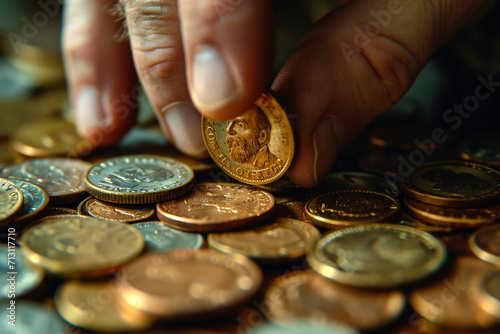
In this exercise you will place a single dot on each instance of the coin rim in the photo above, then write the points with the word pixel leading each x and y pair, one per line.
pixel 16 211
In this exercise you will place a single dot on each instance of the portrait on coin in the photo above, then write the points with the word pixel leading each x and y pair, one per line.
pixel 248 138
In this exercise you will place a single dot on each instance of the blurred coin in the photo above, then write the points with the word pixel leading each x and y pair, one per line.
pixel 484 243
pixel 28 318
pixel 35 199
pixel 378 255
pixel 113 212
pixel 7 154
pixel 254 148
pixel 347 207
pixel 160 237
pixel 11 202
pixel 139 179
pixel 14 84
pixel 183 283
pixel 217 207
pixel 97 306
pixel 81 247
pixel 488 293
pixel 16 277
pixel 483 148
pixel 53 211
pixel 282 186
pixel 306 295
pixel 453 183
pixel 48 218
pixel 48 137
pixel 282 239
pixel 62 178
pixel 292 209
pixel 419 225
pixel 452 301
pixel 301 327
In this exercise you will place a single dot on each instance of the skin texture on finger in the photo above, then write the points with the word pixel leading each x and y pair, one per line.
pixel 155 38
pixel 229 53
pixel 100 72
pixel 353 65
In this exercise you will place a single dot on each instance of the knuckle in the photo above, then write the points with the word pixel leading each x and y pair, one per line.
pixel 146 17
pixel 160 65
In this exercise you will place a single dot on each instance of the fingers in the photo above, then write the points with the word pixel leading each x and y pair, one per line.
pixel 99 70
pixel 229 48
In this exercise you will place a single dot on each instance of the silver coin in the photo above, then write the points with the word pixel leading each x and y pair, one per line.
pixel 35 198
pixel 160 237
pixel 301 327
pixel 29 318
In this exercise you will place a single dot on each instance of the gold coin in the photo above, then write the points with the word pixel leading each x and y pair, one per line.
pixel 254 148
pixel 309 296
pixel 35 200
pixel 489 293
pixel 453 183
pixel 75 246
pixel 283 239
pixel 213 207
pixel 139 179
pixel 182 283
pixel 11 202
pixel 48 137
pixel 97 306
pixel 347 207
pixel 484 243
pixel 378 255
pixel 113 212
pixel 452 300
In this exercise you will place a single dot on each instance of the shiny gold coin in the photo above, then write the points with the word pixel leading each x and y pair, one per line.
pixel 283 239
pixel 488 294
pixel 113 212
pixel 11 202
pixel 309 296
pixel 453 301
pixel 97 306
pixel 463 218
pixel 347 207
pixel 139 179
pixel 48 137
pixel 74 246
pixel 183 283
pixel 453 183
pixel 484 243
pixel 378 255
pixel 254 148
pixel 213 207
pixel 62 178
pixel 35 200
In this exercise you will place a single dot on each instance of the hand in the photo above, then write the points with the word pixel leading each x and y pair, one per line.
pixel 215 56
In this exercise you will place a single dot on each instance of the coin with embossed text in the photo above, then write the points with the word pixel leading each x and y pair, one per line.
pixel 35 199
pixel 139 179
pixel 11 201
pixel 213 207
pixel 160 237
pixel 256 147
pixel 114 212
pixel 62 179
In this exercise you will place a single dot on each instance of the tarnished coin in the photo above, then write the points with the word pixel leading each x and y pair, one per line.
pixel 488 293
pixel 213 207
pixel 452 300
pixel 62 179
pixel 484 243
pixel 378 255
pixel 160 237
pixel 29 317
pixel 35 199
pixel 49 137
pixel 256 147
pixel 283 239
pixel 97 306
pixel 11 202
pixel 182 283
pixel 74 246
pixel 309 296
pixel 347 207
pixel 16 277
pixel 453 183
pixel 139 179
pixel 114 212
pixel 483 148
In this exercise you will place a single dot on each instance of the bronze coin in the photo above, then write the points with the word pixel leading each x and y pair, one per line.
pixel 114 212
pixel 484 243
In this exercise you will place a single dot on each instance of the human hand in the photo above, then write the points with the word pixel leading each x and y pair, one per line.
pixel 217 54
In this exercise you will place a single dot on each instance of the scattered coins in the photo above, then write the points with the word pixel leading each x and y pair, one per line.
pixel 35 199
pixel 11 201
pixel 213 207
pixel 378 255
pixel 139 179
pixel 254 148
pixel 113 212
pixel 160 237
pixel 484 243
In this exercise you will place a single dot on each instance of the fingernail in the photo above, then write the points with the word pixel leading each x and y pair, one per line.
pixel 213 82
pixel 88 114
pixel 183 122
pixel 328 139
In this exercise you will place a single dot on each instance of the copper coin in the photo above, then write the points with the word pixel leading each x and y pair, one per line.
pixel 307 295
pixel 62 179
pixel 484 243
pixel 453 301
pixel 347 207
pixel 256 147
pixel 114 212
pixel 217 207
pixel 453 183
pixel 11 201
pixel 35 199
pixel 182 283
